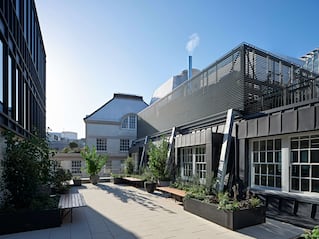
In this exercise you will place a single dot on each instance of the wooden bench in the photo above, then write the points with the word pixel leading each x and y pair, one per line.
pixel 175 193
pixel 136 182
pixel 69 201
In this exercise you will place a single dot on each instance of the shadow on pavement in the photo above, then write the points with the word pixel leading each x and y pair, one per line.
pixel 124 193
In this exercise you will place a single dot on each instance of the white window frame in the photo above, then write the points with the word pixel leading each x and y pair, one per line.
pixel 301 157
pixel 193 162
pixel 129 122
pixel 266 161
pixel 76 167
pixel 124 145
pixel 101 144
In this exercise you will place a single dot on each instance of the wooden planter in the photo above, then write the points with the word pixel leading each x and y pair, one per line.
pixel 149 187
pixel 118 180
pixel 12 222
pixel 233 220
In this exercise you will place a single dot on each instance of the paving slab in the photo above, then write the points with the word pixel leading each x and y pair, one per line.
pixel 124 212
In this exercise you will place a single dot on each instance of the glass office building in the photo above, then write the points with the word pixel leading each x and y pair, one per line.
pixel 22 69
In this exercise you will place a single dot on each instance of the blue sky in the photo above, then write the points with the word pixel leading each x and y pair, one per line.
pixel 99 47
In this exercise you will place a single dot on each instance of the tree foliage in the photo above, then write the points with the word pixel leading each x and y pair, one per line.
pixel 94 161
pixel 157 154
pixel 26 167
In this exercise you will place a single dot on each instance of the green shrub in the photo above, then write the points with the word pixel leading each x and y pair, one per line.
pixel 26 167
pixel 157 154
pixel 129 166
pixel 312 234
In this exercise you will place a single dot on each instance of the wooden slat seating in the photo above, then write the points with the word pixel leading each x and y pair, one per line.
pixel 136 182
pixel 69 201
pixel 175 193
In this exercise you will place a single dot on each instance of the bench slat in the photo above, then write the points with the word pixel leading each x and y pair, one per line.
pixel 72 200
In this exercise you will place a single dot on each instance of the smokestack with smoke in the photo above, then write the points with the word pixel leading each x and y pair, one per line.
pixel 190 46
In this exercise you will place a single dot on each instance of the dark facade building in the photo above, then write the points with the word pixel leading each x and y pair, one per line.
pixel 270 107
pixel 22 69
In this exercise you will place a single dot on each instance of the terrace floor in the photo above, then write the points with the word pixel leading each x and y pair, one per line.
pixel 125 212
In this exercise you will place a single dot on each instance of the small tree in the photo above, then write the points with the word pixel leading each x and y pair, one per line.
pixel 94 161
pixel 157 159
pixel 129 165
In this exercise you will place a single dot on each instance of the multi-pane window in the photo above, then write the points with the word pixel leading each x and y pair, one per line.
pixel 266 159
pixel 200 162
pixel 187 162
pixel 101 144
pixel 76 167
pixel 304 159
pixel 129 122
pixel 124 145
pixel 193 162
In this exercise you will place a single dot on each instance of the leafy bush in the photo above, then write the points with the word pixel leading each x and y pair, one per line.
pixel 94 161
pixel 157 159
pixel 312 234
pixel 129 165
pixel 26 166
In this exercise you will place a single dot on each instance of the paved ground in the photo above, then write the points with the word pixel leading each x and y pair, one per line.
pixel 125 212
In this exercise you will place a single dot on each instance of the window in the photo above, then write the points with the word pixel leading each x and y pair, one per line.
pixel 9 84
pixel 1 73
pixel 187 162
pixel 200 162
pixel 17 96
pixel 304 160
pixel 124 145
pixel 129 122
pixel 76 167
pixel 193 162
pixel 101 144
pixel 266 161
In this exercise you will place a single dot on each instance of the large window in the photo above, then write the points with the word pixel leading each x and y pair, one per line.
pixel 193 162
pixel 124 145
pixel 266 160
pixel 304 161
pixel 129 122
pixel 101 144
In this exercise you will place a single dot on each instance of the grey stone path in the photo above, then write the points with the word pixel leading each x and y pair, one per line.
pixel 125 212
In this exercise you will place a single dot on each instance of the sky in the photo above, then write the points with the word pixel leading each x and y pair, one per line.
pixel 95 48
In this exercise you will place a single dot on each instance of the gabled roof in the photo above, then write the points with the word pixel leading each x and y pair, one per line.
pixel 119 106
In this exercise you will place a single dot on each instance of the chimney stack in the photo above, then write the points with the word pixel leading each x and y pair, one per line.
pixel 190 67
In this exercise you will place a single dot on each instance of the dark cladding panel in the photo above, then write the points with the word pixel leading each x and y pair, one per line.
pixel 275 124
pixel 306 119
pixel 242 129
pixel 252 128
pixel 289 122
pixel 263 126
pixel 317 117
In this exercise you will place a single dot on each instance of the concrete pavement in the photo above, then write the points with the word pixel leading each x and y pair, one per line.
pixel 125 212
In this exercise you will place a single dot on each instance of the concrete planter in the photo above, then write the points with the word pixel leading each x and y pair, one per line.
pixel 94 179
pixel 20 221
pixel 233 220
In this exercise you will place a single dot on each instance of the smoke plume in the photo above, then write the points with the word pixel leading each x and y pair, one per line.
pixel 192 43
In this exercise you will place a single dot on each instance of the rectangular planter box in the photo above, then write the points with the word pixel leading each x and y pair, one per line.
pixel 12 222
pixel 233 220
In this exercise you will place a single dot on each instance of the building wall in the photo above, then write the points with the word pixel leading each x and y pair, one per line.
pixel 22 69
pixel 114 123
